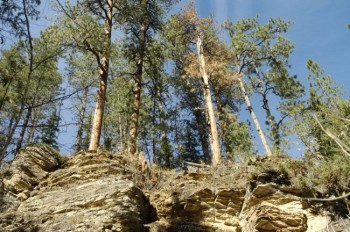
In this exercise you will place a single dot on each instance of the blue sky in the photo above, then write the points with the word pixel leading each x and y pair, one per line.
pixel 319 29
pixel 319 32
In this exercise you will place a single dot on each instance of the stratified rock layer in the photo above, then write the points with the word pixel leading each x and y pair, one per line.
pixel 92 192
pixel 98 191
pixel 30 166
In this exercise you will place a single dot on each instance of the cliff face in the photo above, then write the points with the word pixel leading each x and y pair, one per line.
pixel 99 192
pixel 91 192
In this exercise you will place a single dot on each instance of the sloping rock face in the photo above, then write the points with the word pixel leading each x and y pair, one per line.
pixel 268 208
pixel 261 207
pixel 91 192
pixel 30 166
pixel 98 191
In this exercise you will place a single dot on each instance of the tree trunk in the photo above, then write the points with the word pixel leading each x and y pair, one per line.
pixel 137 94
pixel 10 135
pixel 271 120
pixel 29 77
pixel 33 121
pixel 200 120
pixel 101 95
pixel 79 137
pixel 135 110
pixel 24 128
pixel 211 120
pixel 255 119
pixel 225 120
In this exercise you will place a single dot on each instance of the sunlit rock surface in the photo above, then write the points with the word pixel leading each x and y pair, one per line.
pixel 99 191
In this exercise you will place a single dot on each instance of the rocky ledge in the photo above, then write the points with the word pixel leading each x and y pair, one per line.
pixel 99 191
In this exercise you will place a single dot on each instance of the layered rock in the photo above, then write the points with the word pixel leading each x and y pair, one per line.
pixel 30 166
pixel 267 208
pixel 91 192
pixel 258 207
pixel 99 191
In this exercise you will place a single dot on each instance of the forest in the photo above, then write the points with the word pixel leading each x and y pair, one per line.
pixel 136 77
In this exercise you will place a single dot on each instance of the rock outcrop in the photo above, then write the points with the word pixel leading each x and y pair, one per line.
pixel 99 191
pixel 30 166
pixel 91 192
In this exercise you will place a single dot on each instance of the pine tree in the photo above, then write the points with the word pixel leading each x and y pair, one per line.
pixel 49 132
pixel 262 59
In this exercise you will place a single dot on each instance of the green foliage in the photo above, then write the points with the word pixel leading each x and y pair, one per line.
pixel 262 55
pixel 50 130
pixel 13 20
pixel 240 141
pixel 166 153
pixel 328 175
pixel 189 145
pixel 324 102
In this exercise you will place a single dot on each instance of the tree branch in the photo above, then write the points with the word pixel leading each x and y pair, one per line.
pixel 342 146
pixel 327 199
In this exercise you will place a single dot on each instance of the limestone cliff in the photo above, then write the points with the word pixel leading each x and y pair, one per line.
pixel 99 191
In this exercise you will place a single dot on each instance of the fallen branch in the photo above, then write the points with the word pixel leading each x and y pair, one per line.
pixel 196 165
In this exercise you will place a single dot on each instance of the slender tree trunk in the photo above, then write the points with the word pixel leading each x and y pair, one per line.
pixel 163 129
pixel 2 101
pixel 10 135
pixel 200 120
pixel 213 134
pixel 255 119
pixel 24 128
pixel 28 116
pixel 272 123
pixel 137 94
pixel 224 120
pixel 79 137
pixel 33 121
pixel 135 110
pixel 271 120
pixel 101 96
pixel 27 84
pixel 120 128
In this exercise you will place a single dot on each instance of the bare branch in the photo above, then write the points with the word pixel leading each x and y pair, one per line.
pixel 327 199
pixel 342 146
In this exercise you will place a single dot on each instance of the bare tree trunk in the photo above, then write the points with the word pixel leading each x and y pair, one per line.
pixel 101 96
pixel 255 119
pixel 211 121
pixel 29 77
pixel 224 120
pixel 28 116
pixel 24 128
pixel 200 120
pixel 271 120
pixel 33 121
pixel 137 95
pixel 10 135
pixel 79 137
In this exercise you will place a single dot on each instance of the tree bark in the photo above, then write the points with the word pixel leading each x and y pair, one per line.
pixel 276 137
pixel 101 95
pixel 200 120
pixel 79 137
pixel 211 120
pixel 27 84
pixel 255 119
pixel 33 121
pixel 224 120
pixel 137 94
pixel 24 128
